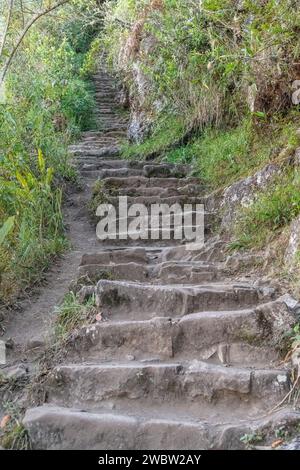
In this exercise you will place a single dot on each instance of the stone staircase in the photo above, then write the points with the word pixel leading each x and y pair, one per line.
pixel 185 355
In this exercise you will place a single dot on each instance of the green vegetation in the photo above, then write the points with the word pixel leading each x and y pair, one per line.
pixel 251 439
pixel 72 314
pixel 222 73
pixel 272 210
pixel 13 435
pixel 167 131
pixel 48 102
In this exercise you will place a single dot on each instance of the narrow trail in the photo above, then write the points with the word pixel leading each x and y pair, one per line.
pixel 181 358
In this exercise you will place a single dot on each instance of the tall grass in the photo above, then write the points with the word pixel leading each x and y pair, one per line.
pixel 48 103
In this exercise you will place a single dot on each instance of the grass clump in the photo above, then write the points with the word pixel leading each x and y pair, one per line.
pixel 13 435
pixel 72 314
pixel 271 211
pixel 167 133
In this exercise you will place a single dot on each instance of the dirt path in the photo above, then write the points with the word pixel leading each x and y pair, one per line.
pixel 30 326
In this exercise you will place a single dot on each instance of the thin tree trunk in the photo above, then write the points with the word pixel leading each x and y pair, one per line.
pixel 23 34
pixel 9 15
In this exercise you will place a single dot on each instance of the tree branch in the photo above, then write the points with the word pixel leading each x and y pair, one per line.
pixel 23 34
pixel 10 9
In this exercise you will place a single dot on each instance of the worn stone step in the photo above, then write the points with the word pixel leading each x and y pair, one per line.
pixel 145 229
pixel 223 337
pixel 141 182
pixel 108 152
pixel 120 172
pixel 188 190
pixel 214 250
pixel 165 273
pixel 135 255
pixel 130 271
pixel 175 272
pixel 80 160
pixel 175 384
pixel 168 200
pixel 55 428
pixel 126 300
pixel 111 164
pixel 147 171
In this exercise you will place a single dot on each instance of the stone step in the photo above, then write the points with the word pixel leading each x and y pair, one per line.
pixel 99 134
pixel 134 255
pixel 134 239
pixel 171 272
pixel 170 201
pixel 128 300
pixel 111 164
pixel 165 273
pixel 55 428
pixel 80 160
pixel 178 385
pixel 142 182
pixel 108 152
pixel 188 189
pixel 223 337
pixel 120 172
pixel 130 271
pixel 214 251
pixel 156 171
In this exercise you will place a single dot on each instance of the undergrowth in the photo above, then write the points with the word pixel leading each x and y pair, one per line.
pixel 276 207
pixel 49 101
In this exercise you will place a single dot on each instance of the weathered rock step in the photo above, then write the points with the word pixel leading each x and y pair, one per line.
pixel 100 134
pixel 185 272
pixel 144 256
pixel 109 119
pixel 109 164
pixel 130 271
pixel 133 239
pixel 64 429
pixel 169 200
pixel 139 165
pixel 187 189
pixel 107 152
pixel 142 182
pixel 128 300
pixel 164 273
pixel 145 170
pixel 91 386
pixel 136 255
pixel 80 159
pixel 105 142
pixel 235 337
pixel 214 250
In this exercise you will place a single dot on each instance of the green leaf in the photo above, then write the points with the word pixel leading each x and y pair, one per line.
pixel 41 161
pixel 6 229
